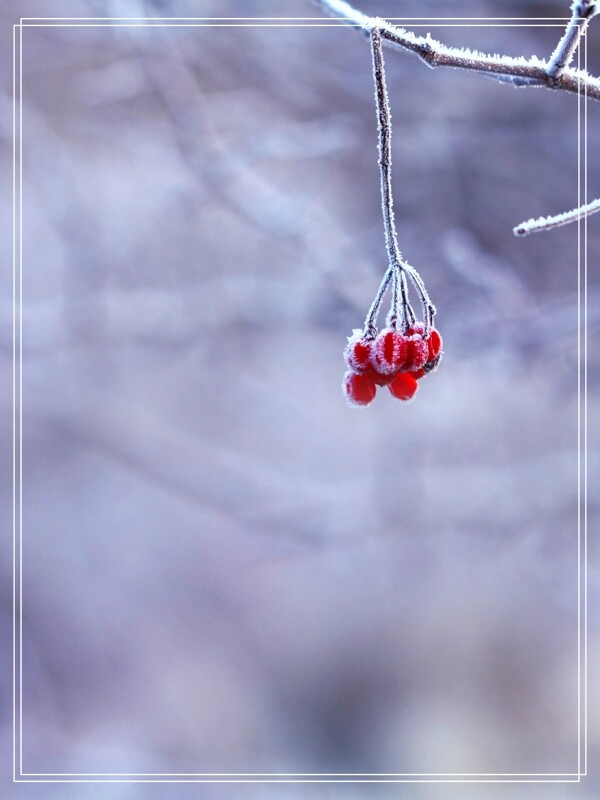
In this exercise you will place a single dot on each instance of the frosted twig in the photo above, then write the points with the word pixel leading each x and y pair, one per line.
pixel 428 307
pixel 582 12
pixel 392 319
pixel 407 310
pixel 519 71
pixel 370 328
pixel 384 127
pixel 546 223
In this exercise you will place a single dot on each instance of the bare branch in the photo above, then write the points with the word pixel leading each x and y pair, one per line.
pixel 519 71
pixel 582 12
pixel 546 223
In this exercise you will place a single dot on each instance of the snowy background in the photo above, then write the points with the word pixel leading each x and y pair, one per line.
pixel 226 569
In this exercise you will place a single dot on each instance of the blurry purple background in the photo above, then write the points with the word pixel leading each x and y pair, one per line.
pixel 226 569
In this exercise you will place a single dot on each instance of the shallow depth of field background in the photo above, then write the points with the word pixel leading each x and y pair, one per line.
pixel 226 569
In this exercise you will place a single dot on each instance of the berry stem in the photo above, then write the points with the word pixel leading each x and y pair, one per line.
pixel 397 262
pixel 427 305
pixel 384 129
pixel 392 319
pixel 370 328
pixel 401 307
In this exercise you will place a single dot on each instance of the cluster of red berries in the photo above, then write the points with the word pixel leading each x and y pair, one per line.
pixel 393 359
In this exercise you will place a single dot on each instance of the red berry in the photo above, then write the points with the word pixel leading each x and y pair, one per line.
pixel 358 352
pixel 434 343
pixel 417 354
pixel 420 373
pixel 359 388
pixel 381 380
pixel 404 386
pixel 389 351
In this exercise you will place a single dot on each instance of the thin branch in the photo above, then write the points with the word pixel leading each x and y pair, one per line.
pixel 582 12
pixel 521 72
pixel 384 127
pixel 370 327
pixel 392 318
pixel 407 310
pixel 514 80
pixel 527 72
pixel 547 223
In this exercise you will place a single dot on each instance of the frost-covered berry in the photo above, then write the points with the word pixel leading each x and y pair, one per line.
pixel 417 353
pixel 359 388
pixel 434 340
pixel 380 379
pixel 358 352
pixel 389 351
pixel 434 350
pixel 434 343
pixel 404 386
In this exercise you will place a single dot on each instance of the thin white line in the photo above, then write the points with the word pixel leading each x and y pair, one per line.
pixel 14 332
pixel 464 777
pixel 20 398
pixel 313 774
pixel 411 780
pixel 256 25
pixel 579 499
pixel 396 19
pixel 585 427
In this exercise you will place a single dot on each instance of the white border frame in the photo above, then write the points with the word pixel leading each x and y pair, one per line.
pixel 19 776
